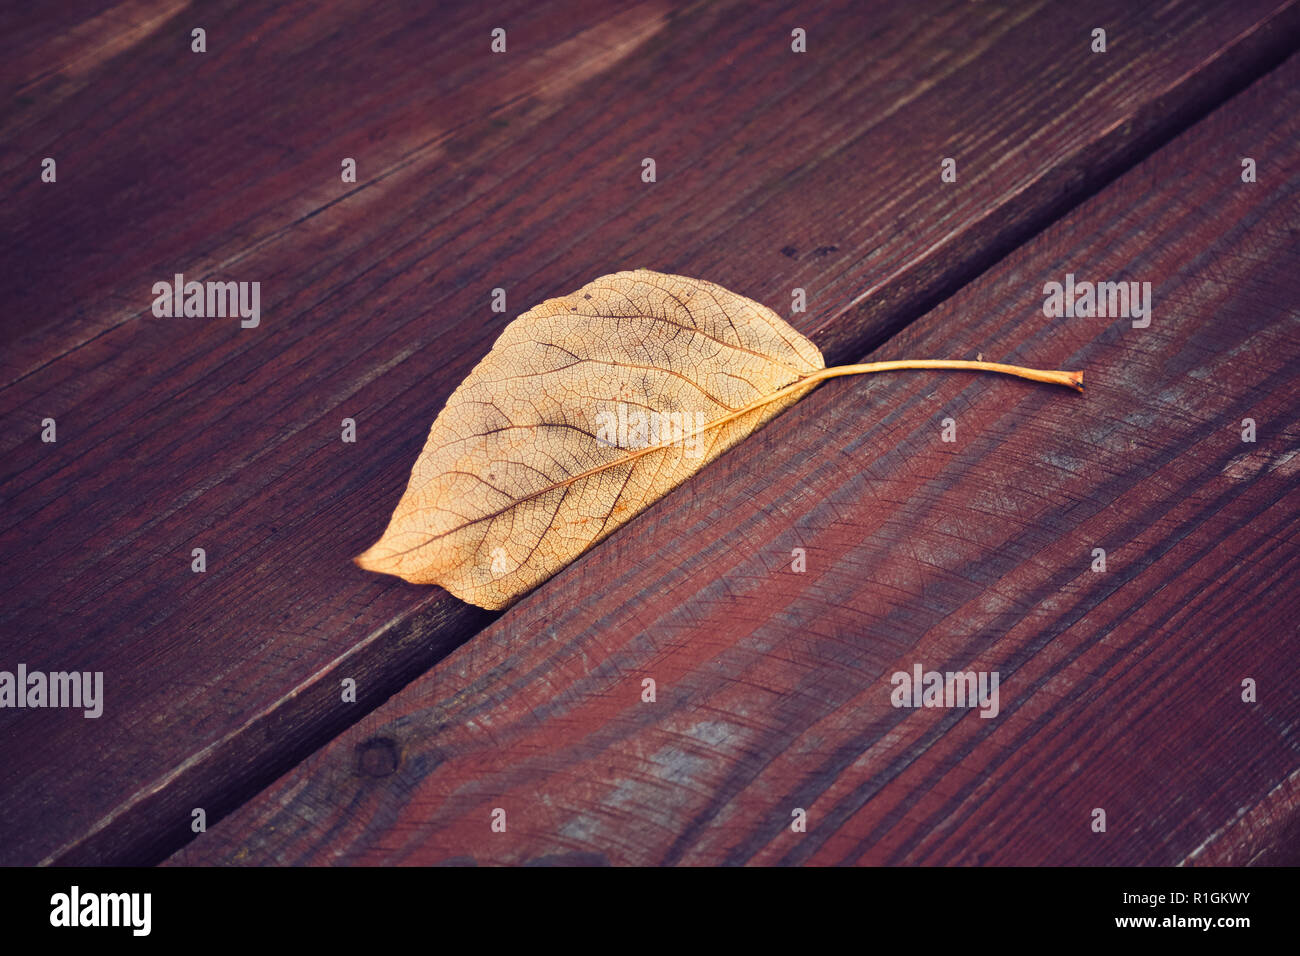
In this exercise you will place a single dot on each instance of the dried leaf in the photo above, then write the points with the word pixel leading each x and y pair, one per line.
pixel 588 409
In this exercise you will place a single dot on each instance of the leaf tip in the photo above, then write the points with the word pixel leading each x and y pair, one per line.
pixel 370 560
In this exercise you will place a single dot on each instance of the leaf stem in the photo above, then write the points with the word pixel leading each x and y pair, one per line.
pixel 1071 379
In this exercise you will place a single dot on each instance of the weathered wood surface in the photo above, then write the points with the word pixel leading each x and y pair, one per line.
pixel 1120 689
pixel 476 171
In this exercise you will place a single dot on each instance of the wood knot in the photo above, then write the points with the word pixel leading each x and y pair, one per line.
pixel 377 757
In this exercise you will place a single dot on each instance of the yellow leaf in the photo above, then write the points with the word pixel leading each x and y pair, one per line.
pixel 588 409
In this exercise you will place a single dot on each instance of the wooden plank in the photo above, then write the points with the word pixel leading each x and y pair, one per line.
pixel 1119 689
pixel 775 171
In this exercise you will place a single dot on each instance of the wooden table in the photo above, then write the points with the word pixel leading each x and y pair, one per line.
pixel 1121 690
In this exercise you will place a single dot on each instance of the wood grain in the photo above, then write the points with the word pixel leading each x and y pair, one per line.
pixel 1120 689
pixel 521 171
